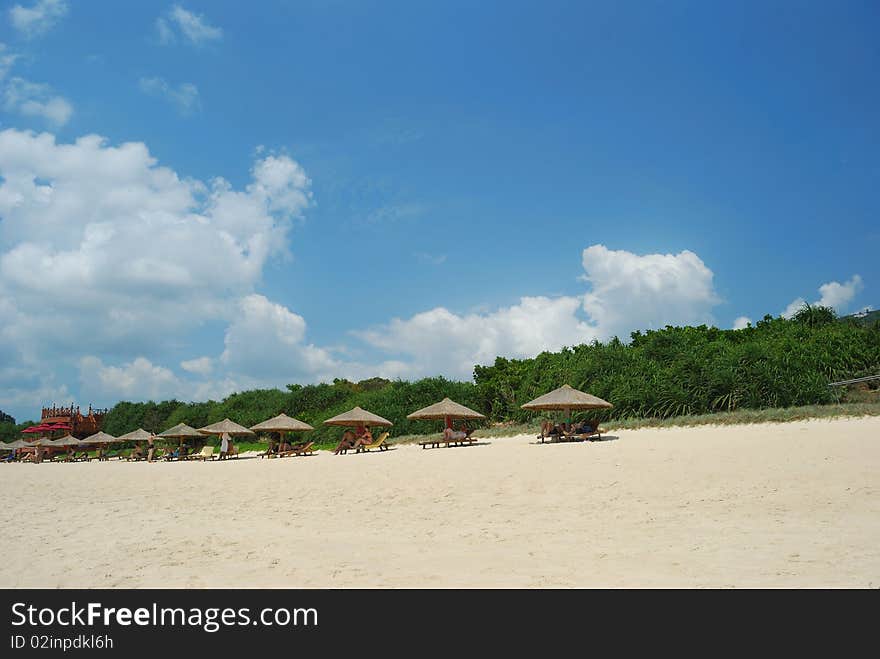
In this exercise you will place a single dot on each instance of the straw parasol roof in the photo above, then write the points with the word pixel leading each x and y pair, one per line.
pixel 139 435
pixel 225 426
pixel 180 431
pixel 282 423
pixel 356 417
pixel 446 408
pixel 67 440
pixel 567 398
pixel 100 438
pixel 15 444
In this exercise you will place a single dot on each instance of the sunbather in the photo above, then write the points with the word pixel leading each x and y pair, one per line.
pixel 351 440
pixel 582 428
pixel 550 429
pixel 452 435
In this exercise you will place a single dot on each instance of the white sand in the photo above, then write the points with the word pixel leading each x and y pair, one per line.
pixel 793 505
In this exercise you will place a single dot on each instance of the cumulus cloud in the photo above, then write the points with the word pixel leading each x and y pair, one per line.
pixel 104 251
pixel 627 291
pixel 199 366
pixel 631 291
pixel 831 294
pixel 440 341
pixel 742 322
pixel 39 18
pixel 266 341
pixel 179 23
pixel 138 380
pixel 184 97
pixel 32 99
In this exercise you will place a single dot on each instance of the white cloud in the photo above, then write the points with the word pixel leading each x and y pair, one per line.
pixel 137 380
pixel 36 100
pixel 742 322
pixel 199 366
pixel 39 18
pixel 430 259
pixel 628 292
pixel 396 212
pixel 103 251
pixel 831 294
pixel 179 22
pixel 837 295
pixel 266 341
pixel 440 341
pixel 184 97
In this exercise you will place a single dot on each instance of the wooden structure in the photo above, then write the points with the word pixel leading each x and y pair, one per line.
pixel 76 423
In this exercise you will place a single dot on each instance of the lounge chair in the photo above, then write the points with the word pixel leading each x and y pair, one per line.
pixel 304 449
pixel 378 443
pixel 435 442
pixel 207 453
pixel 596 433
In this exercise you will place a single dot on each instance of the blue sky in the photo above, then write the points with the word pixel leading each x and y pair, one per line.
pixel 439 183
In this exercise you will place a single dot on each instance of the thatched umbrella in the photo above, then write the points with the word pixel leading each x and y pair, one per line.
pixel 567 399
pixel 139 435
pixel 358 417
pixel 67 440
pixel 15 445
pixel 225 426
pixel 100 438
pixel 281 424
pixel 180 432
pixel 447 410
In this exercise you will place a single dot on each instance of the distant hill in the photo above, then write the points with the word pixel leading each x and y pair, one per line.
pixel 863 318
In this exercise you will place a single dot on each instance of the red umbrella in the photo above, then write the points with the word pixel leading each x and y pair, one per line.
pixel 34 429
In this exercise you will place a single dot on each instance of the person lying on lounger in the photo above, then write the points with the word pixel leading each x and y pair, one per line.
pixel 452 435
pixel 550 429
pixel 582 428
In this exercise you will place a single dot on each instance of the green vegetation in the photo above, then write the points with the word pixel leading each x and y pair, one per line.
pixel 776 370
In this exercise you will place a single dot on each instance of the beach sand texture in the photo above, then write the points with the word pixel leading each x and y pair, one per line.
pixel 775 505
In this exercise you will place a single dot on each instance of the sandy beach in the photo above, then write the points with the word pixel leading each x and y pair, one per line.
pixel 776 505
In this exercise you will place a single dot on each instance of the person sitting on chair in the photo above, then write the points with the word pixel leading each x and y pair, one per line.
pixel 363 437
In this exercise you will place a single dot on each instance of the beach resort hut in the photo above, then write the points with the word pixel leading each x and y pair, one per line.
pixel 566 399
pixel 281 424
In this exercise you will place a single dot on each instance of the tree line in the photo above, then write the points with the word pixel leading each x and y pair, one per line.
pixel 660 373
